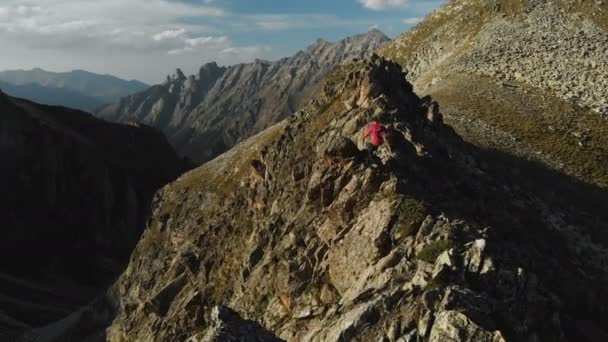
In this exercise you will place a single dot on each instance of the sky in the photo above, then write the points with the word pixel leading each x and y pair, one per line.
pixel 148 39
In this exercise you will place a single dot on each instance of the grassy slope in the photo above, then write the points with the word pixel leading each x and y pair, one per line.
pixel 532 125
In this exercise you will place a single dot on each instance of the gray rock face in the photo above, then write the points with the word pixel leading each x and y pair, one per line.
pixel 206 114
pixel 418 242
pixel 75 198
pixel 227 326
pixel 451 326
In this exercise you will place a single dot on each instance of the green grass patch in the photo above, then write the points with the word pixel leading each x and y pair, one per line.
pixel 433 250
pixel 543 124
pixel 410 215
pixel 223 174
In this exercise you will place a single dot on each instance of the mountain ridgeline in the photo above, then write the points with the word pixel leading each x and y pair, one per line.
pixel 76 194
pixel 205 114
pixel 77 89
pixel 52 96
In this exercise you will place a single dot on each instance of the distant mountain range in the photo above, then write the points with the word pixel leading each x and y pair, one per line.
pixel 76 89
pixel 205 115
pixel 52 96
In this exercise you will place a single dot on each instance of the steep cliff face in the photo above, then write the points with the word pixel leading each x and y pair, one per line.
pixel 76 193
pixel 527 77
pixel 431 240
pixel 206 114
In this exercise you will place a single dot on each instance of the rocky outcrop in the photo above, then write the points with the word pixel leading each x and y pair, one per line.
pixel 76 194
pixel 204 115
pixel 431 240
pixel 227 325
pixel 525 77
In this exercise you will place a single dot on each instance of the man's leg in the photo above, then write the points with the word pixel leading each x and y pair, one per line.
pixel 371 154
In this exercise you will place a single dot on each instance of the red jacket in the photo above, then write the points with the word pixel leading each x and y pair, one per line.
pixel 375 131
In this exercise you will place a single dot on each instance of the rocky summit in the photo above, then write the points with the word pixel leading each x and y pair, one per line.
pixel 527 77
pixel 299 234
pixel 75 198
pixel 204 115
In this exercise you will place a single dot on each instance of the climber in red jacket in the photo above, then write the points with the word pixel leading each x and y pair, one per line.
pixel 379 135
pixel 375 131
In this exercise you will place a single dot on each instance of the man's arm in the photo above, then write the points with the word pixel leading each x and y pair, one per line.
pixel 367 132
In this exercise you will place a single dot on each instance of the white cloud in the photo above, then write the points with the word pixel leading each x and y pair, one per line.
pixel 169 34
pixel 412 20
pixel 233 52
pixel 284 22
pixel 380 5
pixel 274 25
pixel 60 33
pixel 107 24
pixel 207 43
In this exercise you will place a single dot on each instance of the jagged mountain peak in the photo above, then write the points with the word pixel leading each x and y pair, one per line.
pixel 179 73
pixel 261 61
pixel 376 32
pixel 257 172
pixel 177 76
pixel 373 37
pixel 299 229
pixel 210 65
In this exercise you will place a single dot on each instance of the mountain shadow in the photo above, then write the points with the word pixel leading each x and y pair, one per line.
pixel 76 194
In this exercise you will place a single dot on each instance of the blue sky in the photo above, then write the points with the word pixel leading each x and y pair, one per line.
pixel 293 24
pixel 146 39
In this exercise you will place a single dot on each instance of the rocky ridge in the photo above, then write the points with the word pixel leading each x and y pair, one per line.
pixel 206 114
pixel 435 240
